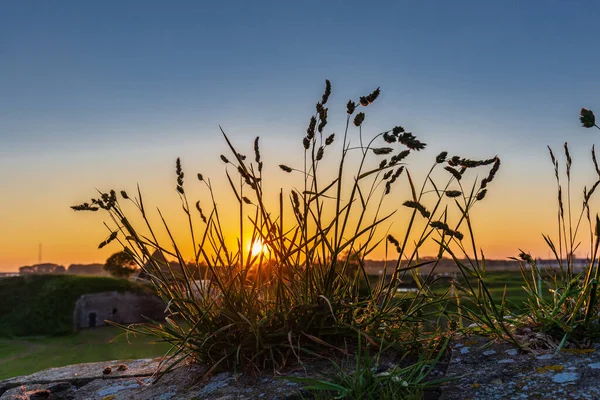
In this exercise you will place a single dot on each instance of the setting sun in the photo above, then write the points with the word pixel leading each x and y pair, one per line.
pixel 258 247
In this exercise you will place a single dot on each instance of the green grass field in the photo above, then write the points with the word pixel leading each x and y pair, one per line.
pixel 24 356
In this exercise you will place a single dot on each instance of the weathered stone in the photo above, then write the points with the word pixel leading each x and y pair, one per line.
pixel 499 371
pixel 92 310
pixel 482 370
pixel 81 374
pixel 87 381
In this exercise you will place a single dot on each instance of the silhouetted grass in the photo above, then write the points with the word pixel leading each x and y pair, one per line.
pixel 563 305
pixel 307 297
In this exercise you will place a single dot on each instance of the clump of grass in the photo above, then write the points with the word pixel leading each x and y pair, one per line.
pixel 368 379
pixel 563 303
pixel 309 295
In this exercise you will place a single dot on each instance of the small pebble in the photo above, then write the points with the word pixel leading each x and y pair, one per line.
pixel 565 377
pixel 512 352
pixel 506 361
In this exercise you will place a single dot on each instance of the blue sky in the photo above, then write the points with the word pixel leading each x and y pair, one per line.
pixel 87 85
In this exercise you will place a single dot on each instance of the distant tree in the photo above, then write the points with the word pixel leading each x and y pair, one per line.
pixel 86 269
pixel 120 265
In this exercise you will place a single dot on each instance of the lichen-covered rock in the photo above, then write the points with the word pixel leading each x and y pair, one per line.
pixel 486 371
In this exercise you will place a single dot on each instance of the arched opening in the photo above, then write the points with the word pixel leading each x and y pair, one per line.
pixel 92 320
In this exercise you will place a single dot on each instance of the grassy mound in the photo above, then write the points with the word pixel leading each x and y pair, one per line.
pixel 43 304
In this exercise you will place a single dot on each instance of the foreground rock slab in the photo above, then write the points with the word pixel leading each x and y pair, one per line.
pixel 488 371
pixel 481 370
pixel 132 379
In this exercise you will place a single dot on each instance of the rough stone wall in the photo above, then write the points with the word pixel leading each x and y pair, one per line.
pixel 92 310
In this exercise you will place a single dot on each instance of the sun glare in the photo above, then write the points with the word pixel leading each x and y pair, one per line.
pixel 258 247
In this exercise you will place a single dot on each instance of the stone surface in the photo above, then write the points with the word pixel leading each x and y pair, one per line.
pixel 88 381
pixel 481 370
pixel 486 371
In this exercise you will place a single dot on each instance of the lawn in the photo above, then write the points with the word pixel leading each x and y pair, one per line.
pixel 24 356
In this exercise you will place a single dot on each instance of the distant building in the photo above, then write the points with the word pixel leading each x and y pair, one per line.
pixel 93 310
pixel 39 269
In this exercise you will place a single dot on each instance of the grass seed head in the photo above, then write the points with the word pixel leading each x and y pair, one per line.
pixel 285 168
pixel 366 100
pixel 320 153
pixel 202 216
pixel 526 257
pixel 587 118
pixel 569 160
pixel 441 157
pixel 84 207
pixel 329 139
pixel 453 193
pixel 310 132
pixel 410 141
pixel 256 150
pixel 418 206
pixel 440 225
pixel 382 150
pixel 399 157
pixel 350 107
pixel 327 92
pixel 359 119
pixel 454 172
pixel 389 138
pixel 306 143
pixel 397 130
pixel 481 194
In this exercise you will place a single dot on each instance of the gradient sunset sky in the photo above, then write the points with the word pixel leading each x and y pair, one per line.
pixel 107 95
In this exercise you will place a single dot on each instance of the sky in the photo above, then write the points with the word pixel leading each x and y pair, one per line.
pixel 101 95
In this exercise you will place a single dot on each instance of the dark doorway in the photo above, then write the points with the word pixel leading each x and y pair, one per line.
pixel 92 320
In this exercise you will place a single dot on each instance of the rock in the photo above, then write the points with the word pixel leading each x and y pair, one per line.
pixel 88 381
pixel 500 371
pixel 480 370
